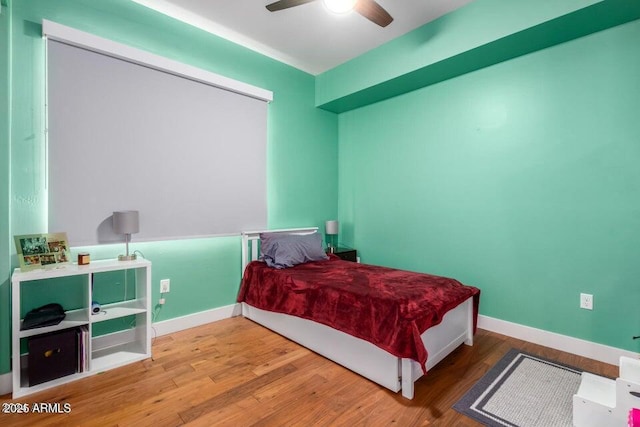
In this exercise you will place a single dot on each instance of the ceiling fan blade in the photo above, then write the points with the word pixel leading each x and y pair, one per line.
pixel 285 4
pixel 373 12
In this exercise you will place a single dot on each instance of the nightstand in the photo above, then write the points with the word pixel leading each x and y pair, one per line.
pixel 347 254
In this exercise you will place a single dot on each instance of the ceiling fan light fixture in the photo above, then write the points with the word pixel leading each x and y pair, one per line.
pixel 340 6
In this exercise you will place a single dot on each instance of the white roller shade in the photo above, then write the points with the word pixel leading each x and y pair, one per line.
pixel 189 156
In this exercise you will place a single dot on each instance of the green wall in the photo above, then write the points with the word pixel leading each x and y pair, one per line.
pixel 477 24
pixel 5 330
pixel 521 178
pixel 205 273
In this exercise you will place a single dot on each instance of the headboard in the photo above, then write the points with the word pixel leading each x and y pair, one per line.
pixel 251 242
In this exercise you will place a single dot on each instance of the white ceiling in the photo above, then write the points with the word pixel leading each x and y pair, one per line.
pixel 308 37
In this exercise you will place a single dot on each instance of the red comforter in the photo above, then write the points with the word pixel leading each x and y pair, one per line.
pixel 387 307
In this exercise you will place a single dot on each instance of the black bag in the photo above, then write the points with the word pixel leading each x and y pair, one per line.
pixel 47 315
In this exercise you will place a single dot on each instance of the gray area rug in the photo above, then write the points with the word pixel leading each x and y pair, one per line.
pixel 523 390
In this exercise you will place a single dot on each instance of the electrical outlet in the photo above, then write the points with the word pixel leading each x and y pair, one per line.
pixel 586 301
pixel 165 286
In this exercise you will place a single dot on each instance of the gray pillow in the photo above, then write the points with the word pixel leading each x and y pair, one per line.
pixel 287 250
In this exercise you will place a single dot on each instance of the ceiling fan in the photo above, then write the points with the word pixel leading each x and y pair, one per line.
pixel 367 8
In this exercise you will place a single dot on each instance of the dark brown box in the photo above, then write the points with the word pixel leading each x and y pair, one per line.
pixel 52 356
pixel 347 254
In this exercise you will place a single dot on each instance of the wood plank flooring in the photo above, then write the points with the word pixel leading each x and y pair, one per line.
pixel 237 373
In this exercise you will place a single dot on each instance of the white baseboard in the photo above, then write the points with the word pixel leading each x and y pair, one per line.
pixel 197 319
pixel 6 383
pixel 591 350
pixel 588 349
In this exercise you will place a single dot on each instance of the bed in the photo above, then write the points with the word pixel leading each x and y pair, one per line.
pixel 310 304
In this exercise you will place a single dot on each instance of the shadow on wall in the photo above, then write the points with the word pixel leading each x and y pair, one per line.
pixel 423 34
pixel 32 29
pixel 105 232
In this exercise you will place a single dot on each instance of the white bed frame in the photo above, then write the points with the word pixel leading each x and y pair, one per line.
pixel 354 353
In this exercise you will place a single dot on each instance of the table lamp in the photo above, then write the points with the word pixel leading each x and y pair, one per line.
pixel 331 229
pixel 126 222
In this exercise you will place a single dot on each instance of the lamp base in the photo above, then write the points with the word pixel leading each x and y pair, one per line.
pixel 131 257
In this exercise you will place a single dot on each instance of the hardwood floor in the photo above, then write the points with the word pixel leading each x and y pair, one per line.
pixel 235 372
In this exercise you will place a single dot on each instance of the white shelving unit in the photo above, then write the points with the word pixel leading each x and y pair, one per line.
pixel 604 401
pixel 106 351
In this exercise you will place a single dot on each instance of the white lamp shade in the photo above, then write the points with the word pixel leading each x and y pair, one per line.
pixel 331 227
pixel 126 222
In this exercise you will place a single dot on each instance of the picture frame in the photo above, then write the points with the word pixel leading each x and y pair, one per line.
pixel 48 250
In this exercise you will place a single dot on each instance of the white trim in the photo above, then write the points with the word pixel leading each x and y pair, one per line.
pixel 299 230
pixel 196 319
pixel 591 350
pixel 71 36
pixel 6 383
